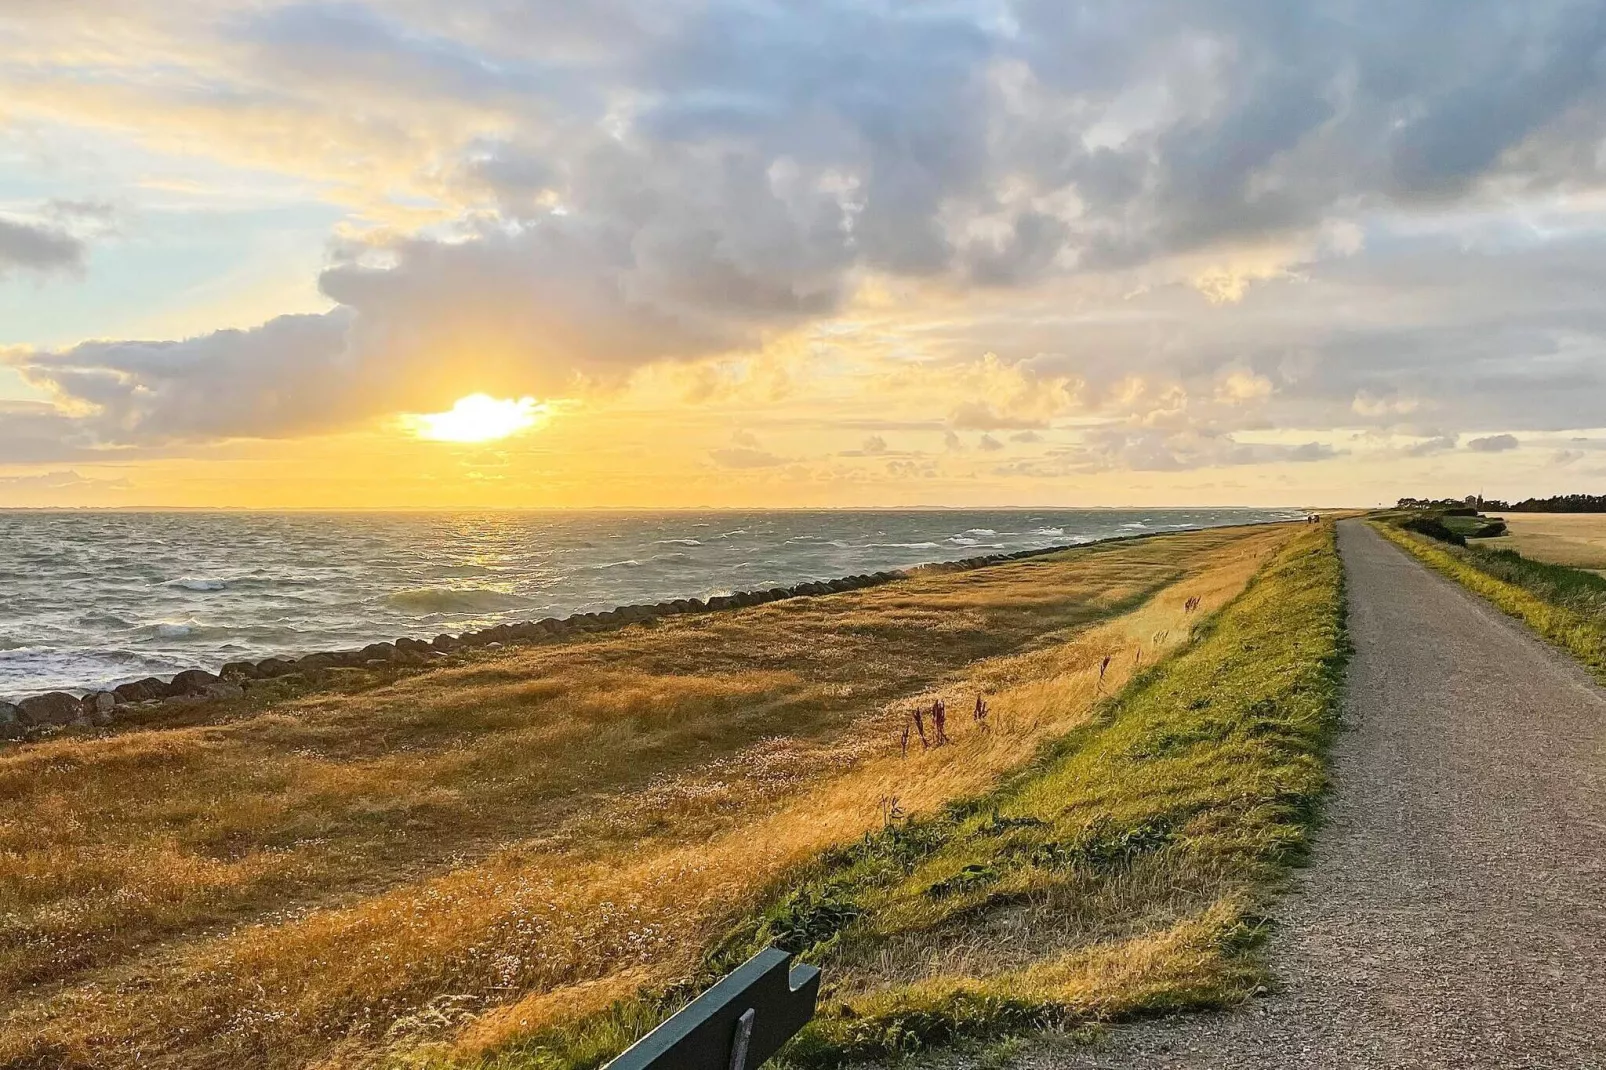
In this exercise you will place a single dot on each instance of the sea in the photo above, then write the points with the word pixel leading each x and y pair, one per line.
pixel 92 599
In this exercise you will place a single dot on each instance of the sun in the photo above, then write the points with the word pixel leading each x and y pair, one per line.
pixel 477 418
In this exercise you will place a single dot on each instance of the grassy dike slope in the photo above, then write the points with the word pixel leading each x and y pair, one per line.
pixel 465 855
pixel 1565 605
pixel 1120 873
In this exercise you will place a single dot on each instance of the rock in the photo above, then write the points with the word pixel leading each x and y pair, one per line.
pixel 239 670
pixel 412 646
pixel 142 690
pixel 192 681
pixel 493 646
pixel 10 721
pixel 720 601
pixel 99 707
pixel 696 605
pixel 445 643
pixel 316 661
pixel 378 652
pixel 56 708
pixel 269 668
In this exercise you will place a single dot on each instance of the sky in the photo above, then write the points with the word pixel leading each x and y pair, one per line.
pixel 743 253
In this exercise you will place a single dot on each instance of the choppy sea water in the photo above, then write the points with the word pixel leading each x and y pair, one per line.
pixel 91 600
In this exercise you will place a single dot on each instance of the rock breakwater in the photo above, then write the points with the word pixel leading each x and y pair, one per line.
pixel 40 715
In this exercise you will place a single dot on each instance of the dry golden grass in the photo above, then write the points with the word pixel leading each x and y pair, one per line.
pixel 340 874
pixel 1577 540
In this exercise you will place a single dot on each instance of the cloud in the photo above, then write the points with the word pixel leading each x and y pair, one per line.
pixel 989 444
pixel 616 184
pixel 66 480
pixel 979 416
pixel 38 248
pixel 742 457
pixel 1493 444
pixel 745 451
pixel 1154 450
pixel 1437 443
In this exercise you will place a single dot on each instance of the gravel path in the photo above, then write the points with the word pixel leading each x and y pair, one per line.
pixel 1455 915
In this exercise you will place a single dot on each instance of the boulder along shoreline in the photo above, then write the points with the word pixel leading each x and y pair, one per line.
pixel 39 715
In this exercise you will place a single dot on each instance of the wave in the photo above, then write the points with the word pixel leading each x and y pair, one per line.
pixel 980 531
pixel 466 569
pixel 169 630
pixel 428 600
pixel 191 584
pixel 631 563
pixel 905 546
pixel 678 542
pixel 1053 533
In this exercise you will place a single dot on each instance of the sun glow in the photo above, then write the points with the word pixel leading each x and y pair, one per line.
pixel 477 418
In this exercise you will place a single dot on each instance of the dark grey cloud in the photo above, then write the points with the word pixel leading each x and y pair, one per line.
pixel 38 248
pixel 1493 444
pixel 286 377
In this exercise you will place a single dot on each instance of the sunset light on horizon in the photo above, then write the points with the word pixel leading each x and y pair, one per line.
pixel 879 253
pixel 476 418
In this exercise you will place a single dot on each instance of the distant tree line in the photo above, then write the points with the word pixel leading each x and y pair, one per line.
pixel 1444 506
pixel 1431 503
pixel 1562 503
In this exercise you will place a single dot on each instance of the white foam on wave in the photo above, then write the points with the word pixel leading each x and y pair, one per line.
pixel 678 542
pixel 191 584
pixel 980 531
pixel 1050 532
pixel 174 631
pixel 629 563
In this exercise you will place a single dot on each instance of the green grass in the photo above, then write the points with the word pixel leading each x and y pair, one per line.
pixel 1565 605
pixel 1124 872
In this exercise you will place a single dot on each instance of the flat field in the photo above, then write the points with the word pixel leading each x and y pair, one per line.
pixel 1577 540
pixel 443 865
